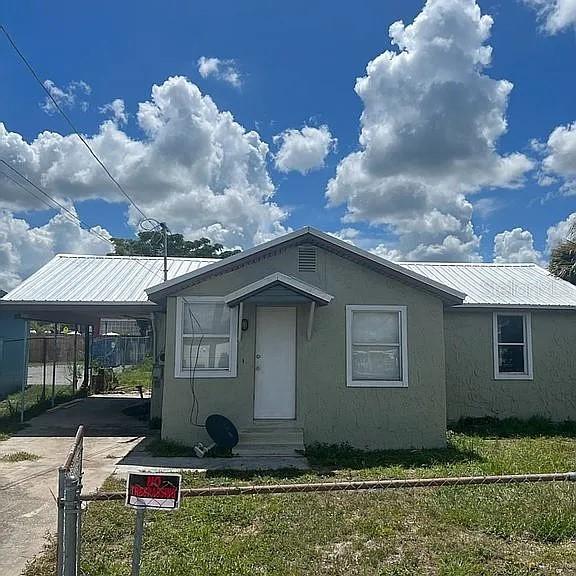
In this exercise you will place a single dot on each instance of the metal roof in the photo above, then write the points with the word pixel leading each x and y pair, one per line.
pixel 505 285
pixel 77 278
pixel 101 280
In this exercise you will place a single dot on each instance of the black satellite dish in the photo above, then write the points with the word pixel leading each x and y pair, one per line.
pixel 222 432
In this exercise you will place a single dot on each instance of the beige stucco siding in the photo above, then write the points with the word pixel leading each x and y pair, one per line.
pixel 327 410
pixel 471 388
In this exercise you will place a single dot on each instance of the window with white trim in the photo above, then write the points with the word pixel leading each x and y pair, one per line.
pixel 376 346
pixel 512 346
pixel 205 338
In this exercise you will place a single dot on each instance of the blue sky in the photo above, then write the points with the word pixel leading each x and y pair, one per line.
pixel 297 64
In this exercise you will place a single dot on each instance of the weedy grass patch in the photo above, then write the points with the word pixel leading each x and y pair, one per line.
pixel 19 457
pixel 133 376
pixel 36 401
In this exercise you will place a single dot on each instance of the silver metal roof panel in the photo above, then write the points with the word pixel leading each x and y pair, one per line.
pixel 99 279
pixel 505 285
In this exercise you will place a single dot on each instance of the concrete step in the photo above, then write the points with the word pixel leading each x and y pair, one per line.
pixel 276 437
pixel 271 450
pixel 271 440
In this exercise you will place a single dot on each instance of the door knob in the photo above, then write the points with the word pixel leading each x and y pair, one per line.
pixel 258 356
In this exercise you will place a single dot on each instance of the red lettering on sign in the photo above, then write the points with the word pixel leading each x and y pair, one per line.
pixel 157 492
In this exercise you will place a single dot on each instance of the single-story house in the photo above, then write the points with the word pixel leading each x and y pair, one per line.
pixel 307 338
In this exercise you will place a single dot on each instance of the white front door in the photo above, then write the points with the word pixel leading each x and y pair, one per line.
pixel 275 366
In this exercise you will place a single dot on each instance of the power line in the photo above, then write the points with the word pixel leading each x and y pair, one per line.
pixel 75 218
pixel 69 121
pixel 68 214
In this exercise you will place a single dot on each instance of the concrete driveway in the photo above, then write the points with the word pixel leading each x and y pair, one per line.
pixel 28 509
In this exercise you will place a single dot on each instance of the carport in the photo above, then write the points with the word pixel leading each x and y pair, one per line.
pixel 82 290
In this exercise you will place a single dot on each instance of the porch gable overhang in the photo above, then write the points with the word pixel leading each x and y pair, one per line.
pixel 292 285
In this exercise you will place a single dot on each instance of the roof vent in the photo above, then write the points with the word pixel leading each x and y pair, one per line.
pixel 306 259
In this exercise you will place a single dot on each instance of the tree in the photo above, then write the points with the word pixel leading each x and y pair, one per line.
pixel 151 244
pixel 563 261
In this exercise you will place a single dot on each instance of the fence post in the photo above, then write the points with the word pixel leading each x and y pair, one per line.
pixel 44 357
pixel 54 360
pixel 71 511
pixel 78 526
pixel 60 533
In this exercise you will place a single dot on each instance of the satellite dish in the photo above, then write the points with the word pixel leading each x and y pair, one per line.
pixel 223 433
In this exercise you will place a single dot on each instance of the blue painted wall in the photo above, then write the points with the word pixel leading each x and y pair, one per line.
pixel 13 335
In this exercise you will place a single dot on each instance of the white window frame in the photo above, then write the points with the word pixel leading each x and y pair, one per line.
pixel 402 312
pixel 229 372
pixel 527 346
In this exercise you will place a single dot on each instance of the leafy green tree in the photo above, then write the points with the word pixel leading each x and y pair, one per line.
pixel 563 261
pixel 151 244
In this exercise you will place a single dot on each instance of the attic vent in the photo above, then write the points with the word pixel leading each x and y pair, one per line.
pixel 306 259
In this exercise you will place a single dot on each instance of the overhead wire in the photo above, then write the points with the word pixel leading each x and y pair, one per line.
pixel 82 139
pixel 69 121
pixel 67 213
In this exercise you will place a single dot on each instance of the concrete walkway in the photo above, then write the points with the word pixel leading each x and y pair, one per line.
pixel 28 509
pixel 140 460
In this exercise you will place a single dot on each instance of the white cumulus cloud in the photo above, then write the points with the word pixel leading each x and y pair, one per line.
pixel 515 245
pixel 429 131
pixel 24 249
pixel 67 97
pixel 560 159
pixel 555 15
pixel 225 70
pixel 303 150
pixel 561 231
pixel 116 109
pixel 195 168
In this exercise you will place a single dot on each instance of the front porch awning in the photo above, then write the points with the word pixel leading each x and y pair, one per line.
pixel 280 289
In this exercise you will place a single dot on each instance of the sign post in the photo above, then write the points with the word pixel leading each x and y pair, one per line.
pixel 137 549
pixel 154 491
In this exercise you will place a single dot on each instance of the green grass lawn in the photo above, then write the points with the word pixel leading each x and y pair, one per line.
pixel 33 405
pixel 484 530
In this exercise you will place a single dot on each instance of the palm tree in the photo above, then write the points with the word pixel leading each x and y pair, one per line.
pixel 563 258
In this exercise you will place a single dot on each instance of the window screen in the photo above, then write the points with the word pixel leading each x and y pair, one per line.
pixel 375 341
pixel 205 336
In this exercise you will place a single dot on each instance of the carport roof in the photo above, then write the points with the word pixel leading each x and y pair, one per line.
pixel 99 280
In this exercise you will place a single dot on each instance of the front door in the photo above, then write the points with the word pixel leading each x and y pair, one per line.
pixel 275 366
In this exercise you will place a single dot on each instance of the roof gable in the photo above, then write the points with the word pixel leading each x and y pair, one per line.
pixel 314 237
pixel 308 291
